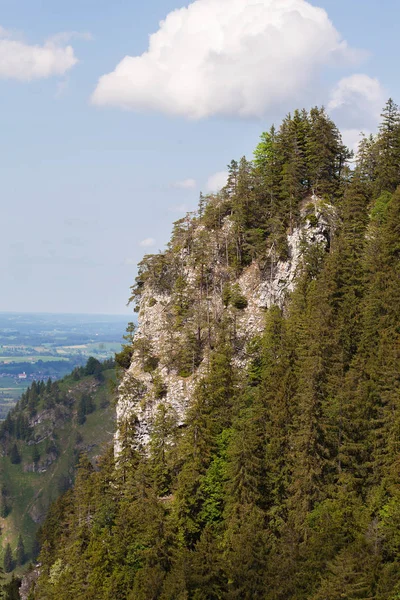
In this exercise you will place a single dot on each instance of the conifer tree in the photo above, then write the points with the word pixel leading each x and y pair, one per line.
pixel 11 589
pixel 8 561
pixel 20 553
pixel 162 448
pixel 268 167
pixel 326 155
pixel 35 455
pixel 388 149
pixel 15 456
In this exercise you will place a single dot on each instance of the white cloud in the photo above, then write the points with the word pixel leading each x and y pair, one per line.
pixel 217 181
pixel 147 243
pixel 25 62
pixel 227 57
pixel 356 102
pixel 185 184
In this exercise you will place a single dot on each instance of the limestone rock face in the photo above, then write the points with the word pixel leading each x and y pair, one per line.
pixel 187 302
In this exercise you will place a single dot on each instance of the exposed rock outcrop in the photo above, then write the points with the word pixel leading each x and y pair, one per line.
pixel 191 288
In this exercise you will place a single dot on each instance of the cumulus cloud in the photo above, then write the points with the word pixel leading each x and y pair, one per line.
pixel 227 57
pixel 357 101
pixel 185 184
pixel 25 62
pixel 147 243
pixel 217 181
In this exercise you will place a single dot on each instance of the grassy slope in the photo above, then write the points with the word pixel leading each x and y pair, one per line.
pixel 32 492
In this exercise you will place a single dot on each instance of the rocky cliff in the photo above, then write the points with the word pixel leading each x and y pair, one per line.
pixel 186 294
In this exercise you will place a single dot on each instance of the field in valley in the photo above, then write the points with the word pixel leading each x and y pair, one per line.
pixel 42 346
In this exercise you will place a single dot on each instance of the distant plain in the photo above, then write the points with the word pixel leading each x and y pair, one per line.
pixel 37 346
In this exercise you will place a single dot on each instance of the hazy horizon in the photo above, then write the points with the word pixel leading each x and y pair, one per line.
pixel 123 316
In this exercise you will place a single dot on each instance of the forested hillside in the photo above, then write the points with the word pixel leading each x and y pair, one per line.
pixel 41 441
pixel 258 431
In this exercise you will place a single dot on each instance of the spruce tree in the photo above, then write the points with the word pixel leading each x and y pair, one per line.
pixel 388 150
pixel 162 448
pixel 35 455
pixel 8 560
pixel 15 456
pixel 20 553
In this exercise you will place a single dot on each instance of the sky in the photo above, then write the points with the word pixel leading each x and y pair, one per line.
pixel 115 115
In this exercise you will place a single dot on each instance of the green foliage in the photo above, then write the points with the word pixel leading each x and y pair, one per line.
pixel 11 590
pixel 8 560
pixel 379 208
pixel 35 455
pixel 215 211
pixel 143 347
pixel 187 355
pixel 123 358
pixel 162 448
pixel 155 270
pixel 15 456
pixel 237 299
pixel 214 481
pixel 85 407
pixel 233 295
pixel 226 294
pixel 48 453
pixel 159 387
pixel 313 220
pixel 20 554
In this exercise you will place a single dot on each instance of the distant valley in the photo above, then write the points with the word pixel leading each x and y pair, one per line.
pixel 41 346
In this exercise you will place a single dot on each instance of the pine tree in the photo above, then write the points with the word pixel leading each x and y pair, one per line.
pixel 35 455
pixel 247 549
pixel 20 553
pixel 268 167
pixel 367 160
pixel 293 136
pixel 276 391
pixel 11 589
pixel 8 561
pixel 388 150
pixel 325 153
pixel 128 457
pixel 162 448
pixel 15 456
pixel 352 574
pixel 207 579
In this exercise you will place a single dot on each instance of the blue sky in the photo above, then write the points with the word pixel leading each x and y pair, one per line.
pixel 91 178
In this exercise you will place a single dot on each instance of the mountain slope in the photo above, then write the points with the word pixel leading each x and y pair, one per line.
pixel 41 441
pixel 258 422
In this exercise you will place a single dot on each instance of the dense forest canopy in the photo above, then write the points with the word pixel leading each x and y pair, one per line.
pixel 284 481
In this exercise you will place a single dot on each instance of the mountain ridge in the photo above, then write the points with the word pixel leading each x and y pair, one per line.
pixel 275 475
